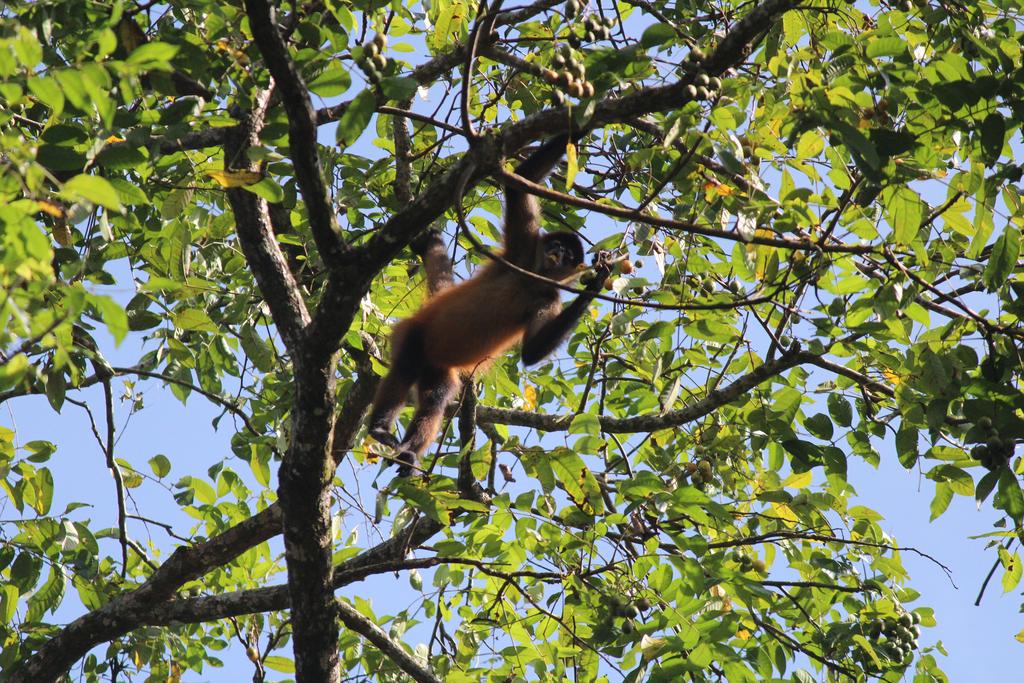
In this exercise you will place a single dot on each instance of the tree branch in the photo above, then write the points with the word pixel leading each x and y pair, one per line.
pixel 365 627
pixel 302 125
pixel 256 236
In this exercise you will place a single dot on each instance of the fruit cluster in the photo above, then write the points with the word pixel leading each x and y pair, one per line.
pixel 594 27
pixel 891 638
pixel 628 611
pixel 994 452
pixel 569 74
pixel 703 87
pixel 747 563
pixel 700 473
pixel 372 60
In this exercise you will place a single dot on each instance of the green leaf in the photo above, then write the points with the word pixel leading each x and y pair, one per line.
pixel 194 319
pixel 840 409
pixel 279 664
pixel 904 210
pixel 204 493
pixel 332 81
pixel 268 188
pixel 42 486
pixel 356 117
pixel 399 88
pixel 959 481
pixel 657 34
pixel 585 423
pixel 578 480
pixel 1009 498
pixel 174 203
pixel 112 314
pixel 155 55
pixel 13 370
pixel 55 388
pixel 49 92
pixel 863 149
pixel 820 426
pixel 161 465
pixel 993 134
pixel 1012 566
pixel 93 189
pixel 886 46
pixel 258 351
pixel 129 194
pixel 985 487
pixel 943 497
pixel 1003 259
pixel 8 603
pixel 120 157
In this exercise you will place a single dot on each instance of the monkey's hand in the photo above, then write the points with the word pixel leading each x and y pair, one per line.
pixel 602 265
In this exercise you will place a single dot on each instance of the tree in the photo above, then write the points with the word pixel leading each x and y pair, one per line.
pixel 824 199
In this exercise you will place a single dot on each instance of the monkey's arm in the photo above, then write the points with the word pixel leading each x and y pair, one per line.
pixel 551 326
pixel 522 211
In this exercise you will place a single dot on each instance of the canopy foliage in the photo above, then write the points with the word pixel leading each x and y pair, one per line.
pixel 823 208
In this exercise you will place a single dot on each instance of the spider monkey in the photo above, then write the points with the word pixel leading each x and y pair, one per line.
pixel 464 326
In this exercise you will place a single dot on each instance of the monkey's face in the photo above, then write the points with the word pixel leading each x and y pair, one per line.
pixel 561 256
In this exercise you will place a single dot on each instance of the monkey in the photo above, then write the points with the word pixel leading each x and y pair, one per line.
pixel 462 327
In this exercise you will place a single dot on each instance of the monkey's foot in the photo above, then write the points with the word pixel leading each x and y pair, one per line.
pixel 407 462
pixel 383 436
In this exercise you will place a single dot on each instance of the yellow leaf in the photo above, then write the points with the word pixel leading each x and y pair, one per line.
pixel 114 138
pixel 784 514
pixel 715 188
pixel 743 634
pixel 892 376
pixel 1020 637
pixel 55 210
pixel 530 397
pixel 573 168
pixel 798 481
pixel 235 178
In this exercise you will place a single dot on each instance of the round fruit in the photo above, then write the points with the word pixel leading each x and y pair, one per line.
pixel 643 604
pixel 759 566
pixel 626 266
pixel 985 422
pixel 588 89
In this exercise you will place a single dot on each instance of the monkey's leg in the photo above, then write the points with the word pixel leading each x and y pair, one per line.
pixel 406 361
pixel 435 389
